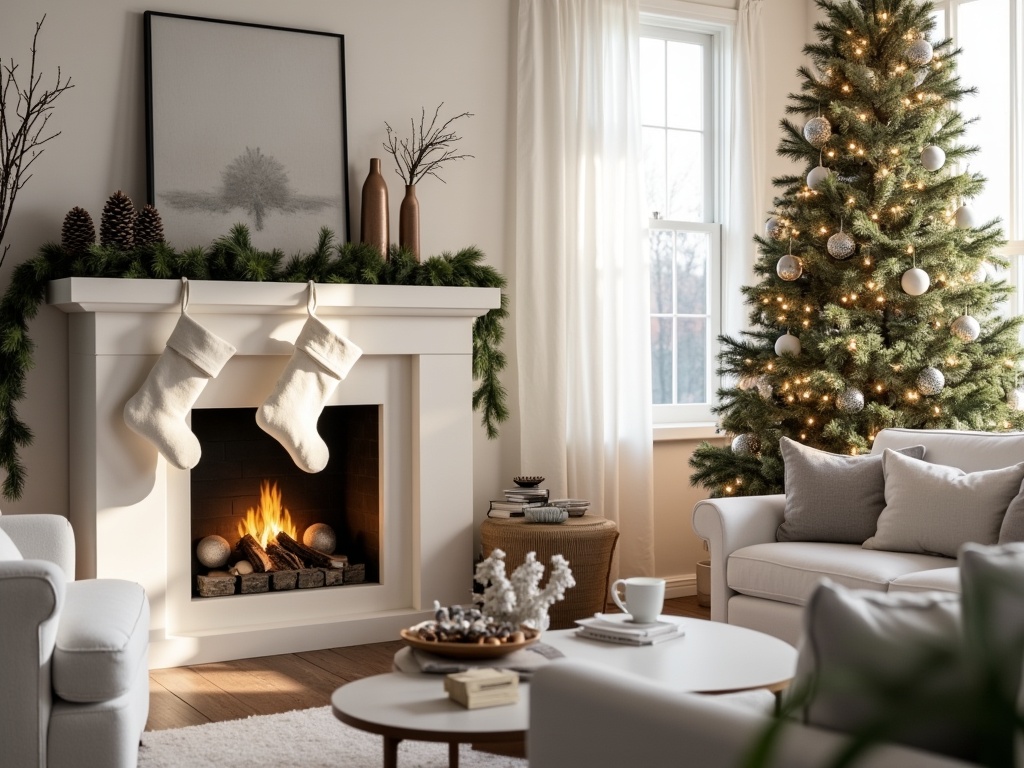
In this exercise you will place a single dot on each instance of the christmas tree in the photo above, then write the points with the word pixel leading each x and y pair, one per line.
pixel 877 299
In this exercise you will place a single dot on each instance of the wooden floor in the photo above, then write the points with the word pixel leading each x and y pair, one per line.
pixel 228 690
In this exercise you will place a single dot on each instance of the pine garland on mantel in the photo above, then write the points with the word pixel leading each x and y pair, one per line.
pixel 234 257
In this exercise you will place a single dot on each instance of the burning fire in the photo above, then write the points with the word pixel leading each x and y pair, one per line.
pixel 269 519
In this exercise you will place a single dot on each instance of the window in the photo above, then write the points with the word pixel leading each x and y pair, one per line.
pixel 679 70
pixel 989 33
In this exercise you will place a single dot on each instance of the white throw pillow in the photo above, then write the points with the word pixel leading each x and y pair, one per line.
pixel 934 509
pixel 892 661
pixel 8 549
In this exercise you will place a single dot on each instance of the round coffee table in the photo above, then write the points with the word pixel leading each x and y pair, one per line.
pixel 710 658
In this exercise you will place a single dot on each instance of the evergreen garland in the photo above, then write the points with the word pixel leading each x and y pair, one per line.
pixel 234 257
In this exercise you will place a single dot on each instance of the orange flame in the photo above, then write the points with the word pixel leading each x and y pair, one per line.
pixel 269 519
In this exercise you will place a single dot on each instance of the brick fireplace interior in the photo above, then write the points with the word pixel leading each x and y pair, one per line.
pixel 238 456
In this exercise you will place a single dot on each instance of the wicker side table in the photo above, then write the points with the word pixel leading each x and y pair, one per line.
pixel 587 542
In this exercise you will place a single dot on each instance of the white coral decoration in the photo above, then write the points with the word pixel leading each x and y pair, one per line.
pixel 519 600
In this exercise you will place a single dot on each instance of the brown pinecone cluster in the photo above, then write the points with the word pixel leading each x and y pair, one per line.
pixel 121 226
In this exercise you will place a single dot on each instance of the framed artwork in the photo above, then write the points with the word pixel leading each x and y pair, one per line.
pixel 245 123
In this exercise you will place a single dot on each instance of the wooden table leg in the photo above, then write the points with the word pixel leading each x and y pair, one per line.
pixel 391 751
pixel 453 754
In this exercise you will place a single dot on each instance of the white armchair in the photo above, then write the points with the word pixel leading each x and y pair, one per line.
pixel 73 654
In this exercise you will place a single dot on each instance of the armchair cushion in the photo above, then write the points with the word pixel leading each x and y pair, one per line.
pixel 102 640
pixel 831 497
pixel 8 550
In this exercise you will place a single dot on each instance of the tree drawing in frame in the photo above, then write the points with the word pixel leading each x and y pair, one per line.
pixel 245 123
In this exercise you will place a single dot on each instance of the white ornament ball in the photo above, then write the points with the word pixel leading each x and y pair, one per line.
pixel 915 281
pixel 788 344
pixel 981 273
pixel 841 246
pixel 930 381
pixel 817 176
pixel 817 131
pixel 774 228
pixel 213 551
pixel 1016 399
pixel 850 401
pixel 964 217
pixel 789 268
pixel 746 443
pixel 320 536
pixel 965 328
pixel 932 157
pixel 919 53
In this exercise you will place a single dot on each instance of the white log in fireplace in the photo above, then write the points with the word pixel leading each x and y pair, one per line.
pixel 130 509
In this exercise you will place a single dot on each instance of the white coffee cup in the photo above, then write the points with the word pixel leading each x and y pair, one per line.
pixel 645 597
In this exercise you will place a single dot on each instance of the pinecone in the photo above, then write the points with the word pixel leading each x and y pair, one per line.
pixel 117 224
pixel 78 232
pixel 148 227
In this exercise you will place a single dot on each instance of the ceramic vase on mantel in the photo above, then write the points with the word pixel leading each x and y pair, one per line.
pixel 409 221
pixel 374 226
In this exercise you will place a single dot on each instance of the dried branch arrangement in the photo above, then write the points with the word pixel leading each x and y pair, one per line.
pixel 24 113
pixel 429 147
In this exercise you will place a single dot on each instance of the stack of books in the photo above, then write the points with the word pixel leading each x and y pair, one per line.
pixel 517 501
pixel 478 688
pixel 620 628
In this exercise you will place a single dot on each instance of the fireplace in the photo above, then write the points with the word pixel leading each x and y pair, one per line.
pixel 133 513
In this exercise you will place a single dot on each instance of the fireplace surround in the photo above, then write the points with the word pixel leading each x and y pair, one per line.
pixel 131 510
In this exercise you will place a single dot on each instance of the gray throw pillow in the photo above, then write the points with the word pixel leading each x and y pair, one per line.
pixel 8 549
pixel 831 497
pixel 1012 528
pixel 934 509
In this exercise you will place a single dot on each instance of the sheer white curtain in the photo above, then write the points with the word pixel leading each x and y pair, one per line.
pixel 581 282
pixel 748 200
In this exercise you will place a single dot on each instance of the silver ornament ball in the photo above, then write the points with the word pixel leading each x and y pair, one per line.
pixel 774 228
pixel 964 217
pixel 213 551
pixel 841 246
pixel 789 268
pixel 764 387
pixel 915 281
pixel 1015 399
pixel 817 131
pixel 932 157
pixel 965 328
pixel 817 176
pixel 850 400
pixel 787 344
pixel 930 381
pixel 919 52
pixel 746 443
pixel 320 536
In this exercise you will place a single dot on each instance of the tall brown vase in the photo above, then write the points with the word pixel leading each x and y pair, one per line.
pixel 374 227
pixel 409 221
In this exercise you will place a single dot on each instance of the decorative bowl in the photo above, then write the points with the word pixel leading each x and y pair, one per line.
pixel 546 514
pixel 575 507
pixel 467 650
pixel 527 481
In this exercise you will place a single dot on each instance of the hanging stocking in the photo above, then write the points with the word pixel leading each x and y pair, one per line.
pixel 321 360
pixel 158 410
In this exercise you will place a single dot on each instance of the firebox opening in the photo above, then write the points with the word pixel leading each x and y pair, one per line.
pixel 240 461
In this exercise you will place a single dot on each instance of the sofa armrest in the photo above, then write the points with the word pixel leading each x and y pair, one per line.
pixel 729 524
pixel 32 596
pixel 43 537
pixel 589 716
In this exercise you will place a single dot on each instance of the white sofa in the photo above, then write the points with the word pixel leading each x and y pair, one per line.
pixel 761 583
pixel 74 678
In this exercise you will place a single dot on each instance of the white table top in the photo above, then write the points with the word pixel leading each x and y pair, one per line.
pixel 711 657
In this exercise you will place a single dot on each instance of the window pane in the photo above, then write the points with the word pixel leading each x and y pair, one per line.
pixel 661 360
pixel 685 67
pixel 939 33
pixel 661 271
pixel 692 362
pixel 985 63
pixel 685 167
pixel 692 250
pixel 654 170
pixel 652 81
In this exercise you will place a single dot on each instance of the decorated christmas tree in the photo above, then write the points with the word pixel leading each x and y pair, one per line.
pixel 878 298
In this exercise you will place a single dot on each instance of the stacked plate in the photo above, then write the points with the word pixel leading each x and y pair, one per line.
pixel 575 507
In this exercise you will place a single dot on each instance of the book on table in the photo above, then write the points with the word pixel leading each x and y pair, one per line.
pixel 620 628
pixel 511 508
pixel 527 495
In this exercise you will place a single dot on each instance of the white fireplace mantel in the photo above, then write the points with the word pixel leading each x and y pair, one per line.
pixel 129 508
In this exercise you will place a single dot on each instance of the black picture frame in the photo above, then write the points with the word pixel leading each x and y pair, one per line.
pixel 245 123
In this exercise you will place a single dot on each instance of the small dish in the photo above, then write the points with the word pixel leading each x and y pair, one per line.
pixel 546 514
pixel 467 650
pixel 527 481
pixel 575 507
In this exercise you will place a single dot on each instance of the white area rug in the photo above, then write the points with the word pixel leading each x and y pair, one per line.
pixel 307 738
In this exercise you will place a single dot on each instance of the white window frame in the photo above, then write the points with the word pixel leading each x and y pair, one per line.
pixel 688 22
